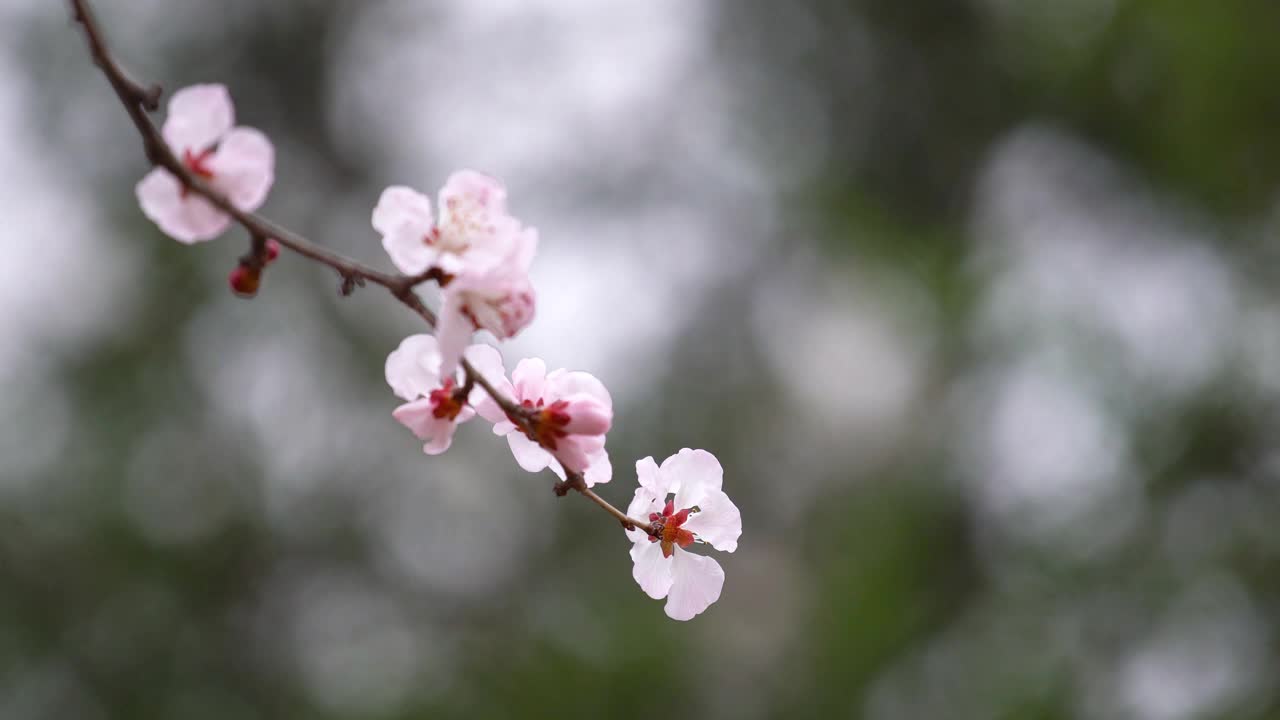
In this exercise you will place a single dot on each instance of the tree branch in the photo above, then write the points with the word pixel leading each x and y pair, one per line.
pixel 138 100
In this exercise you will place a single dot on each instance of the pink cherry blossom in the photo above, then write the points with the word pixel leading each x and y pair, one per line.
pixel 683 504
pixel 239 162
pixel 496 296
pixel 474 230
pixel 574 411
pixel 433 412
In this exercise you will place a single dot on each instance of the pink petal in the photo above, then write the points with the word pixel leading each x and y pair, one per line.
pixel 697 472
pixel 491 411
pixel 718 522
pixel 487 361
pixel 556 467
pixel 651 478
pixel 408 252
pixel 441 439
pixel 403 217
pixel 529 455
pixel 187 219
pixel 418 417
pixel 436 432
pixel 696 583
pixel 587 415
pixel 412 368
pixel 474 188
pixel 599 469
pixel 524 247
pixel 642 503
pixel 652 571
pixel 571 454
pixel 504 307
pixel 453 333
pixel 529 376
pixel 199 116
pixel 562 384
pixel 244 167
pixel 399 207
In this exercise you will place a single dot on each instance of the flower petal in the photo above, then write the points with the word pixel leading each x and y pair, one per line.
pixel 199 116
pixel 571 454
pixel 401 206
pixel 599 469
pixel 403 217
pixel 529 378
pixel 651 478
pixel 187 219
pixel 529 455
pixel 244 167
pixel 651 570
pixel 487 361
pixel 412 368
pixel 718 521
pixel 453 332
pixel 642 504
pixel 587 415
pixel 562 384
pixel 696 472
pixel 408 252
pixel 696 583
pixel 474 190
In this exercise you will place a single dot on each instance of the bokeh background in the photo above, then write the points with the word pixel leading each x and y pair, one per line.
pixel 976 301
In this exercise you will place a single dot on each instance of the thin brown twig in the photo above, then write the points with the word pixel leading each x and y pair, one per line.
pixel 138 100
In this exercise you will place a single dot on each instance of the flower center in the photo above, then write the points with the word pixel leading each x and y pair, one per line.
pixel 465 222
pixel 666 528
pixel 198 163
pixel 548 422
pixel 443 403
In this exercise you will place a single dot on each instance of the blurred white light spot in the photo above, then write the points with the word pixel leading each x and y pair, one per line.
pixel 1209 651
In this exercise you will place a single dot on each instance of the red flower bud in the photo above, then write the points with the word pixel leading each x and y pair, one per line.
pixel 273 250
pixel 244 281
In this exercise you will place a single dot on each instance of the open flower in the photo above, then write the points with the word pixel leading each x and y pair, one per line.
pixel 496 296
pixel 684 504
pixel 474 230
pixel 434 409
pixel 238 162
pixel 572 412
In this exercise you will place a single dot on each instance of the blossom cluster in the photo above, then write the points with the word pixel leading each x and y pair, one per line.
pixel 480 255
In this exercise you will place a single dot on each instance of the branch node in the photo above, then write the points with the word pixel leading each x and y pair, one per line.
pixel 350 281
pixel 149 98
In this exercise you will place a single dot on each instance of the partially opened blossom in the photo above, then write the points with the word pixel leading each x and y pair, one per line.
pixel 434 410
pixel 474 230
pixel 683 503
pixel 572 412
pixel 238 162
pixel 496 296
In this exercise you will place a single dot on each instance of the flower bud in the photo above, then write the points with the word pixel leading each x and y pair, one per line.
pixel 244 281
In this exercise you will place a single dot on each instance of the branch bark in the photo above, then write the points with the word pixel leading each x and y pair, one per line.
pixel 139 99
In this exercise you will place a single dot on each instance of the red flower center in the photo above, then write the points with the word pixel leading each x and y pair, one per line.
pixel 198 163
pixel 444 405
pixel 548 423
pixel 666 528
